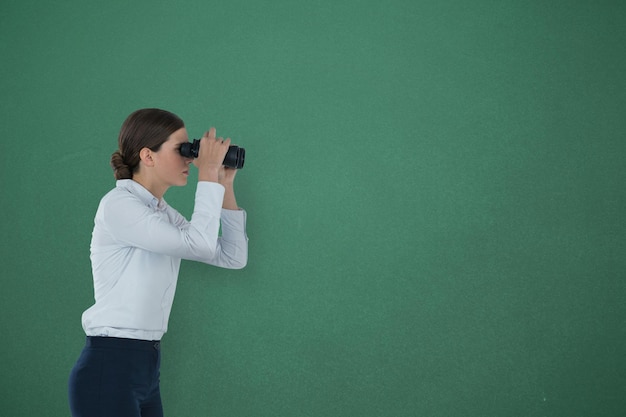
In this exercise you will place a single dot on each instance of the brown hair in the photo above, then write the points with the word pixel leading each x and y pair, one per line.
pixel 145 128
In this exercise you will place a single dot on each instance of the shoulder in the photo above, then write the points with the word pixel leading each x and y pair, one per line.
pixel 121 202
pixel 119 195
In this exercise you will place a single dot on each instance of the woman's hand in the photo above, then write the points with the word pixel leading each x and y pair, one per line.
pixel 211 156
pixel 226 176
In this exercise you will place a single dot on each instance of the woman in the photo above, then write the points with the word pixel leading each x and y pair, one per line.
pixel 137 244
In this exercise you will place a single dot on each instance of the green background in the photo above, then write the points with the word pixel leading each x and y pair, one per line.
pixel 435 192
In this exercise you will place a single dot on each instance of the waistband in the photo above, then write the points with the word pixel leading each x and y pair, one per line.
pixel 121 343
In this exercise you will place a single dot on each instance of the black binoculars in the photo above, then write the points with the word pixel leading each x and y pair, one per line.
pixel 235 157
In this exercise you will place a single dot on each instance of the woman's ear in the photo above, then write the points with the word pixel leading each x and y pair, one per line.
pixel 146 157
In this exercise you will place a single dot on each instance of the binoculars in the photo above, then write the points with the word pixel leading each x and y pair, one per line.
pixel 235 157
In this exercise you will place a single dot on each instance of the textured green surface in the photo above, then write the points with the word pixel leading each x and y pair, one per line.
pixel 435 193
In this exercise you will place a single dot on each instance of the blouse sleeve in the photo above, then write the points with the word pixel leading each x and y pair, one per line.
pixel 134 224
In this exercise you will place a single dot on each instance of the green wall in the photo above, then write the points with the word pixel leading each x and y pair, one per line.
pixel 435 193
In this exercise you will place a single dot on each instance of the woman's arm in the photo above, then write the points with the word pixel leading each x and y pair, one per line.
pixel 227 178
pixel 131 223
pixel 232 250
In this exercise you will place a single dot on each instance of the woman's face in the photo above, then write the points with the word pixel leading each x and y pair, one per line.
pixel 171 167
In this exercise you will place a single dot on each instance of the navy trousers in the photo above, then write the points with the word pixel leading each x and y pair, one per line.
pixel 116 377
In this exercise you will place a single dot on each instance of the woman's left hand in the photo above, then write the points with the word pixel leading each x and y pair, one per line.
pixel 226 176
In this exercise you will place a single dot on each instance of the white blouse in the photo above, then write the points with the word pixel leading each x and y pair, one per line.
pixel 137 244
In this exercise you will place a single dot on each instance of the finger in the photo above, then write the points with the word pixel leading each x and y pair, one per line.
pixel 210 134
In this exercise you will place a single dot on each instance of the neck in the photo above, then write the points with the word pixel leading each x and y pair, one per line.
pixel 155 189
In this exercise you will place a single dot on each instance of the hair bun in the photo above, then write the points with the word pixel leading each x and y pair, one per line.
pixel 121 170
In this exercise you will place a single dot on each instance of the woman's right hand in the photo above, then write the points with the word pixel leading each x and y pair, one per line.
pixel 211 156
